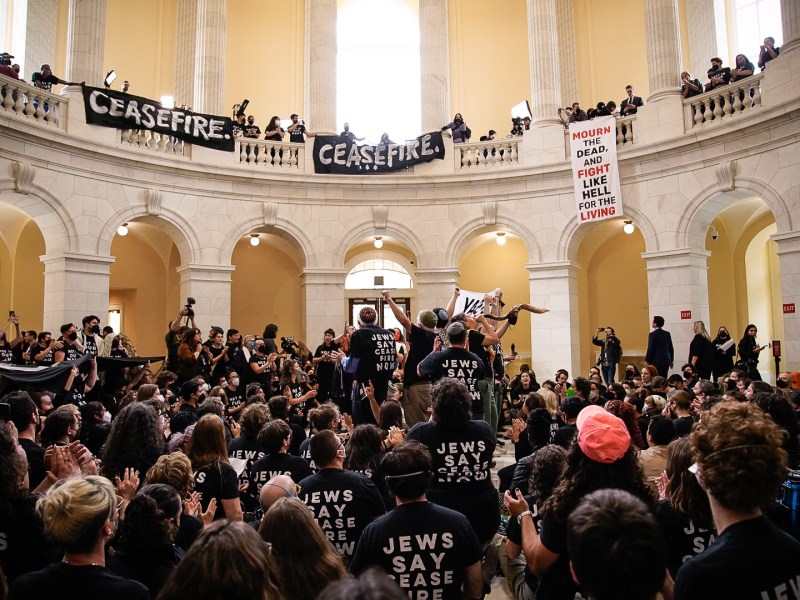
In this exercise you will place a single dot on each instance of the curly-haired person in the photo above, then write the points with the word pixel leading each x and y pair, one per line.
pixel 740 464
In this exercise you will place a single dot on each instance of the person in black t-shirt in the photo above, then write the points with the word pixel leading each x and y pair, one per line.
pixel 372 358
pixel 459 363
pixel 69 350
pixel 343 502
pixel 417 388
pixel 251 130
pixel 431 551
pixel 80 515
pixel 297 130
pixel 262 364
pixel 275 437
pixel 741 465
pixel 45 80
pixel 325 362
pixel 462 453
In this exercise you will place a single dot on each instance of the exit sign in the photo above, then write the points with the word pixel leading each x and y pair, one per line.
pixel 686 314
pixel 788 309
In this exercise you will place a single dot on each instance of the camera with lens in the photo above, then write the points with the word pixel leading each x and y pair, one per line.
pixel 190 302
pixel 289 346
pixel 517 127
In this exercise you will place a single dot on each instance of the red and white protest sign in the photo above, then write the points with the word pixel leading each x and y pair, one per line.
pixel 595 174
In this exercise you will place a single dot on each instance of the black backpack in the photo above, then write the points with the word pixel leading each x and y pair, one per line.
pixel 468 132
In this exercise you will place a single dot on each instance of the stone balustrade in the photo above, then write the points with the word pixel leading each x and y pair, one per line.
pixel 271 155
pixel 723 103
pixel 485 155
pixel 27 101
pixel 154 141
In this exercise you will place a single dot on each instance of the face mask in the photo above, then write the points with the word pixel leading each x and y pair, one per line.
pixel 235 382
pixel 204 388
pixel 723 335
pixel 251 345
pixel 73 336
pixel 224 384
pixel 782 384
pixel 687 375
pixel 106 417
pixel 96 329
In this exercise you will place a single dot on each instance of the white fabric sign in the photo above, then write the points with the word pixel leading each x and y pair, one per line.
pixel 595 173
pixel 469 302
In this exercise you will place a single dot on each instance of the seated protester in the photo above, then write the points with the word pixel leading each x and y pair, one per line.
pixel 566 433
pixel 660 433
pixel 717 75
pixel 462 453
pixel 145 548
pixel 616 547
pixel 214 477
pixel 228 556
pixel 80 515
pixel 364 451
pixel 246 446
pixel 548 466
pixel 690 87
pixel 235 393
pixel 439 542
pixel 626 412
pixel 781 412
pixel 305 560
pixel 175 470
pixel 681 407
pixel 134 422
pixel 741 466
pixel 61 427
pixel 95 427
pixel 683 511
pixel 372 584
pixel 768 52
pixel 25 546
pixel 322 418
pixel 26 418
pixel 538 434
pixel 275 437
pixel 279 409
pixel 603 457
pixel 342 502
pixel 214 406
pixel 744 68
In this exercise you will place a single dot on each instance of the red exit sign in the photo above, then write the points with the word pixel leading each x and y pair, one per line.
pixel 686 314
pixel 788 309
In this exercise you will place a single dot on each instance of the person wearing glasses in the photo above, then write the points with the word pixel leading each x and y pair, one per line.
pixel 343 502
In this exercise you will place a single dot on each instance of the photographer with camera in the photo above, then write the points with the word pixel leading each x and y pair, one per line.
pixel 175 332
pixel 610 352
pixel 297 130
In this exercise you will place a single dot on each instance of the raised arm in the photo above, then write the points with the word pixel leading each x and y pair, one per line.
pixel 401 316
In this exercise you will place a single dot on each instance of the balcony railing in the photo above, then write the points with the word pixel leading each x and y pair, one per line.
pixel 272 156
pixel 154 142
pixel 484 155
pixel 723 103
pixel 30 102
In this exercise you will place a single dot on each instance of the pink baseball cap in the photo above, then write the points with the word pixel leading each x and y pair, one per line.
pixel 603 437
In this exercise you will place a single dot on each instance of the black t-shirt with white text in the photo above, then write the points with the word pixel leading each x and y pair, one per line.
pixel 216 480
pixel 514 534
pixel 684 538
pixel 458 363
pixel 325 368
pixel 272 465
pixel 343 503
pixel 46 360
pixel 424 547
pixel 421 341
pixel 376 352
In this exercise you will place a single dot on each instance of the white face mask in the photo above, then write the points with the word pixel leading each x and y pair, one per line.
pixel 235 382
pixel 224 384
pixel 106 417
pixel 204 388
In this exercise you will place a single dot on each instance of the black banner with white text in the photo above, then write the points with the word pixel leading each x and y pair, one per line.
pixel 124 111
pixel 333 154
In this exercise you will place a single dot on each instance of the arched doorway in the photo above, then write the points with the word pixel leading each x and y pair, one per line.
pixel 21 271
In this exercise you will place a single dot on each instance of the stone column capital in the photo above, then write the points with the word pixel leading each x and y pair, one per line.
pixel 552 270
pixel 200 272
pixel 74 261
pixel 442 275
pixel 312 276
pixel 667 259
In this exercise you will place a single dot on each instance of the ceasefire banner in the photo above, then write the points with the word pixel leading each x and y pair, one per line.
pixel 333 154
pixel 124 111
pixel 595 173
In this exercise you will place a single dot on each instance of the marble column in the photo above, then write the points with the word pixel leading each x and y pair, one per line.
pixel 662 34
pixel 555 335
pixel 434 64
pixel 677 280
pixel 210 285
pixel 185 40
pixel 701 23
pixel 567 61
pixel 789 257
pixel 75 285
pixel 323 301
pixel 40 35
pixel 790 15
pixel 320 65
pixel 86 34
pixel 209 70
pixel 434 288
pixel 543 50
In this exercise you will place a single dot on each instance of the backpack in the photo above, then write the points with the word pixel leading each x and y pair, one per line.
pixel 467 132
